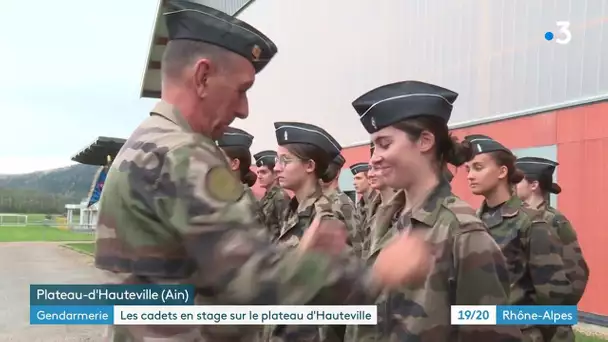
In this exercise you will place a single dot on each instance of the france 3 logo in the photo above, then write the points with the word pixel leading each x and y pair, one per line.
pixel 564 36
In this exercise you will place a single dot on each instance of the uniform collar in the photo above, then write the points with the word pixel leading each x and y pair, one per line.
pixel 428 212
pixel 171 113
pixel 509 209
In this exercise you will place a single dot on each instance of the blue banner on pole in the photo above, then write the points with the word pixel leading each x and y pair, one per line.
pixel 100 295
pixel 98 186
pixel 47 314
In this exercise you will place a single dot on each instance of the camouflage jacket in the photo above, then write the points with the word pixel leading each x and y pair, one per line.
pixel 533 252
pixel 256 210
pixel 172 212
pixel 382 217
pixel 273 205
pixel 342 204
pixel 469 269
pixel 298 218
pixel 576 266
pixel 362 204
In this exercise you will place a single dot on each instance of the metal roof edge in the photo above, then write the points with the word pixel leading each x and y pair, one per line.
pixel 152 40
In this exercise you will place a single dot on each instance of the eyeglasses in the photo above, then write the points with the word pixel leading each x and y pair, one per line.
pixel 283 161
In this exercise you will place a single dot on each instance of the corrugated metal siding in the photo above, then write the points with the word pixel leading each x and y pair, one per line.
pixel 493 53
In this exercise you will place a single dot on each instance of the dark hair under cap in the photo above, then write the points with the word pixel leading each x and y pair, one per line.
pixel 484 144
pixel 541 170
pixel 235 137
pixel 359 167
pixel 303 133
pixel 395 102
pixel 265 158
pixel 192 21
pixel 339 160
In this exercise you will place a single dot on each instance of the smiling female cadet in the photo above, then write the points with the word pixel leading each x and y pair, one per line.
pixel 408 125
pixel 532 250
pixel 534 190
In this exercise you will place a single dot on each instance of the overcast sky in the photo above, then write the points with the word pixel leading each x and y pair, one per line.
pixel 70 70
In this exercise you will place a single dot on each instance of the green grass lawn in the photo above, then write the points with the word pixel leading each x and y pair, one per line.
pixel 85 247
pixel 585 338
pixel 41 233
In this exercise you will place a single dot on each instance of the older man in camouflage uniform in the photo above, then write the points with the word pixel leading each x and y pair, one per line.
pixel 534 190
pixel 343 204
pixel 172 212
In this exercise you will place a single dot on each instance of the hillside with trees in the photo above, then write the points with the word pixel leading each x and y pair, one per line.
pixel 45 191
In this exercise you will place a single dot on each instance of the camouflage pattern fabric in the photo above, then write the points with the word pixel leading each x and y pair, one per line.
pixel 534 255
pixel 172 212
pixel 298 218
pixel 362 205
pixel 383 219
pixel 256 209
pixel 342 204
pixel 576 267
pixel 366 226
pixel 469 269
pixel 273 205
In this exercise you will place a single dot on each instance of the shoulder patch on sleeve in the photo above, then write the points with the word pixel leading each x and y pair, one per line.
pixel 222 185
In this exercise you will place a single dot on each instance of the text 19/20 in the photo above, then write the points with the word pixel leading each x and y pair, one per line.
pixel 473 315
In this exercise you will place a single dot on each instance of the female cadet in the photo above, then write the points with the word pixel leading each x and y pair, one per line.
pixel 303 156
pixel 534 190
pixel 532 251
pixel 275 200
pixel 408 125
pixel 235 144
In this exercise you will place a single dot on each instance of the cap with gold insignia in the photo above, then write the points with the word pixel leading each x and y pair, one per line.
pixel 265 158
pixel 484 144
pixel 395 102
pixel 359 167
pixel 537 169
pixel 339 160
pixel 303 133
pixel 235 137
pixel 192 21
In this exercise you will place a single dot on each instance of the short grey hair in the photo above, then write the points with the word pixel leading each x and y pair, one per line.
pixel 182 53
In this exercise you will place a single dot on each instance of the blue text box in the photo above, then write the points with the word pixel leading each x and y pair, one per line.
pixel 61 315
pixel 99 295
pixel 536 315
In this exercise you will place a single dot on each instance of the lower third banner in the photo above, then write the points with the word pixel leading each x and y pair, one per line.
pixel 205 315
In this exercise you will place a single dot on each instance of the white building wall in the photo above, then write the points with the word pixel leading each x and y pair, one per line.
pixel 491 52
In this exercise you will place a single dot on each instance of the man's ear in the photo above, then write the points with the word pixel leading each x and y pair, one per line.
pixel 202 69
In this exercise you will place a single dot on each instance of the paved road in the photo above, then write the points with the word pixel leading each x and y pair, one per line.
pixel 22 264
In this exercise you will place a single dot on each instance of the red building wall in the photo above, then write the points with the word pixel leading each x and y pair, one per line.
pixel 581 136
